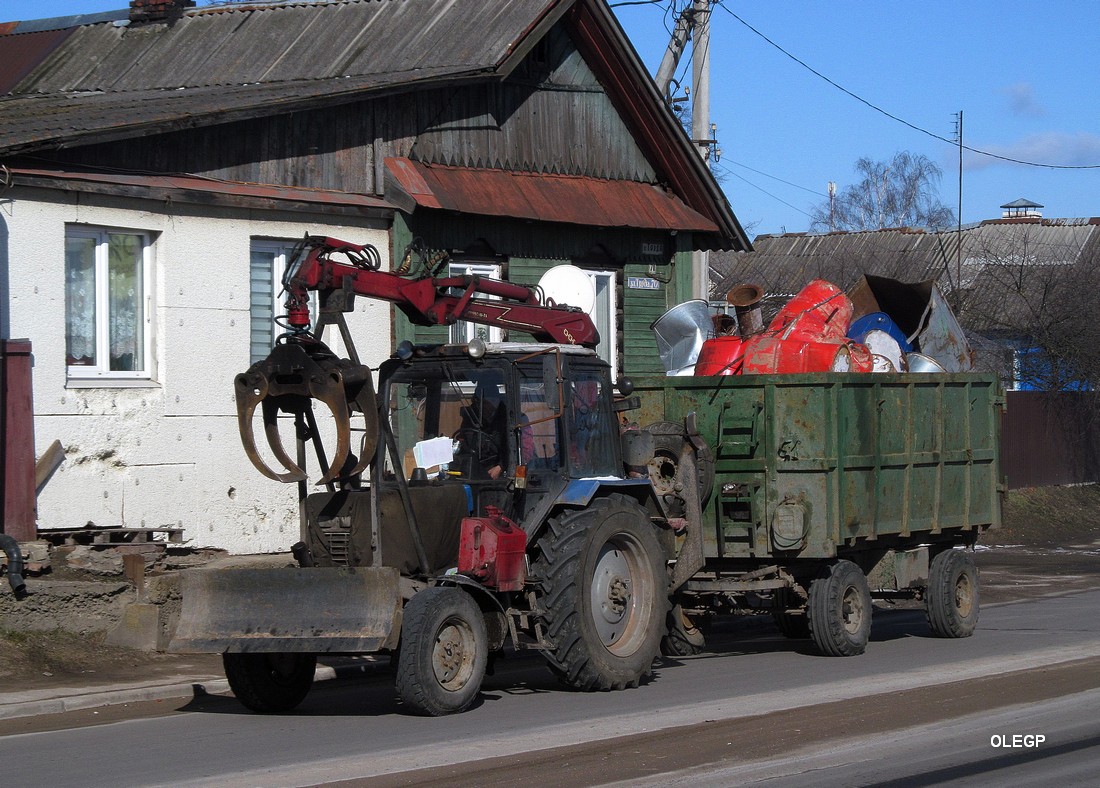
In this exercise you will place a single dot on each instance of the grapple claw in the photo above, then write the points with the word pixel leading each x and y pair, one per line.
pixel 288 380
pixel 251 390
pixel 330 390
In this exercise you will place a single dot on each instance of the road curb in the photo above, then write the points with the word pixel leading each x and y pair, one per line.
pixel 121 695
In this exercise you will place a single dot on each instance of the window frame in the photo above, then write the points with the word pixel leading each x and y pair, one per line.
pixel 612 338
pixel 100 374
pixel 481 268
pixel 281 250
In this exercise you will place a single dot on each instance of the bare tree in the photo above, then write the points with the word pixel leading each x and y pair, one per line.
pixel 902 192
pixel 1041 300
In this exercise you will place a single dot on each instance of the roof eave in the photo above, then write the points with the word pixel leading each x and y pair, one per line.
pixel 246 112
pixel 604 45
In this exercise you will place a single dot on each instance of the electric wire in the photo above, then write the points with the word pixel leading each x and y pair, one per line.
pixel 898 119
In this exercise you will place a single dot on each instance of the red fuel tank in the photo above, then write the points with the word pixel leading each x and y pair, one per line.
pixel 491 549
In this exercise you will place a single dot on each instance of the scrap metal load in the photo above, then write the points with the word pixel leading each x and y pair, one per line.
pixel 301 368
pixel 882 325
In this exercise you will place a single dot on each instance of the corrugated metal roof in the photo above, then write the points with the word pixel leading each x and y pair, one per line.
pixel 227 59
pixel 243 45
pixel 23 52
pixel 782 264
pixel 567 199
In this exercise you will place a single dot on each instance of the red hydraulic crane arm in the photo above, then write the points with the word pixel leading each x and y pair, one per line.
pixel 428 300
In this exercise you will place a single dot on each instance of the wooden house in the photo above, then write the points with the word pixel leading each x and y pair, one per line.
pixel 158 163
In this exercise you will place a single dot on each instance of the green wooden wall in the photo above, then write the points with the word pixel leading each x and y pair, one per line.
pixel 531 248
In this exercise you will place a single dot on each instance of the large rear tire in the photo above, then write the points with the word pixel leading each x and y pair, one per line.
pixel 270 683
pixel 839 610
pixel 443 652
pixel 604 587
pixel 952 599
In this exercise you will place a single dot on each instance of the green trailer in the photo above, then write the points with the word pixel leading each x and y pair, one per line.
pixel 808 483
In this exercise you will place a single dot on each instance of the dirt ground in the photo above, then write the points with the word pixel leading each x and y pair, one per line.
pixel 1049 545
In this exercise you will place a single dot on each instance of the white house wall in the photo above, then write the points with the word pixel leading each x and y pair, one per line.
pixel 165 453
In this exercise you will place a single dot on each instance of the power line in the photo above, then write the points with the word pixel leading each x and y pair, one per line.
pixel 775 178
pixel 900 120
pixel 727 171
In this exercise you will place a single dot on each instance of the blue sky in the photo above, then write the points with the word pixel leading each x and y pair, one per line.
pixel 1022 73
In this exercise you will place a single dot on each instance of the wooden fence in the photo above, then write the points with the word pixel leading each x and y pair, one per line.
pixel 1050 438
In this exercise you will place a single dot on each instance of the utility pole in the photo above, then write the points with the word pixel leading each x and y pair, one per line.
pixel 700 123
pixel 694 23
pixel 959 218
pixel 676 44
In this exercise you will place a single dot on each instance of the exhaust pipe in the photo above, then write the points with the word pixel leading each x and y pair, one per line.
pixel 15 566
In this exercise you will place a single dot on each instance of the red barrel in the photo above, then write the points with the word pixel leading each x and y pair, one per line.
pixel 720 356
pixel 821 310
pixel 770 355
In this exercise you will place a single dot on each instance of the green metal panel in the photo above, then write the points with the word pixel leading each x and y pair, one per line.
pixel 864 461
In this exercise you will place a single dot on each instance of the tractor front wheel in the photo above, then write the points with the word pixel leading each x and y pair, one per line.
pixel 270 683
pixel 443 652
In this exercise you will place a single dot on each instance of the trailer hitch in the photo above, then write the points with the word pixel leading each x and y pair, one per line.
pixel 296 372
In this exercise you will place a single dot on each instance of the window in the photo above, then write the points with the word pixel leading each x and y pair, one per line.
pixel 267 262
pixel 107 287
pixel 604 317
pixel 462 332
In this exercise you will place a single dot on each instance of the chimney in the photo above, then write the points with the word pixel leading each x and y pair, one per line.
pixel 1021 209
pixel 158 10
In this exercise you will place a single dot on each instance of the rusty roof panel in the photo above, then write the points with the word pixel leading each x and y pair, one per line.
pixel 568 199
pixel 23 52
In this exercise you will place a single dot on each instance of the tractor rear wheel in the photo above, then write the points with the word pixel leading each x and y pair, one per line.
pixel 270 683
pixel 604 589
pixel 443 652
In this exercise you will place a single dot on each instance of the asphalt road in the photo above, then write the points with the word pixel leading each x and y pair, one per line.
pixel 913 710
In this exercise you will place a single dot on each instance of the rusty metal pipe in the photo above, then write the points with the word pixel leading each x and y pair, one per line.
pixel 745 300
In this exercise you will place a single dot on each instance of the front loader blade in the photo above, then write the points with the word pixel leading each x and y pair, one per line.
pixel 308 610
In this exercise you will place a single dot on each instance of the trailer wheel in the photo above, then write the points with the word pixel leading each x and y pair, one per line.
pixel 839 610
pixel 604 589
pixel 269 683
pixel 952 597
pixel 684 638
pixel 443 652
pixel 795 626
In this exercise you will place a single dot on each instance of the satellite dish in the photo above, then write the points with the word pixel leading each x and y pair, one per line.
pixel 567 285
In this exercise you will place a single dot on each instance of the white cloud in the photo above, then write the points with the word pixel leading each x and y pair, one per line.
pixel 1052 147
pixel 1022 101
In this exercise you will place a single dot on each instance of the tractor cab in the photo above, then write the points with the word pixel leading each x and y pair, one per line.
pixel 510 424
